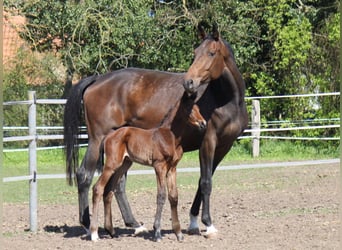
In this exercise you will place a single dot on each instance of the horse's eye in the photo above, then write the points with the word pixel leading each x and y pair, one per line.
pixel 211 54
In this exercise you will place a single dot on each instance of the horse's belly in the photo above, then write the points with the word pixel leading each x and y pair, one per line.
pixel 141 153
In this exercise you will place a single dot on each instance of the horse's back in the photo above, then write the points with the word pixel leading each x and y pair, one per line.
pixel 135 97
pixel 133 77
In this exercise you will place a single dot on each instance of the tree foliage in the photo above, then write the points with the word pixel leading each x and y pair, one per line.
pixel 281 46
pixel 97 36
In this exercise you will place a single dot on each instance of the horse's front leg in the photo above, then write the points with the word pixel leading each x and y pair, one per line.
pixel 160 170
pixel 205 185
pixel 173 199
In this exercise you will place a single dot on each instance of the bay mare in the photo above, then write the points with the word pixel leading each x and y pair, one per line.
pixel 141 98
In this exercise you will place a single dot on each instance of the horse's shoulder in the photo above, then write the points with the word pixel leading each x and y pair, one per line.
pixel 163 134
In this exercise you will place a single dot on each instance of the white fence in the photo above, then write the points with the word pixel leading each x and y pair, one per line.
pixel 255 134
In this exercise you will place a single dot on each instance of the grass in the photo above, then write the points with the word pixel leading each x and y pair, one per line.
pixel 57 191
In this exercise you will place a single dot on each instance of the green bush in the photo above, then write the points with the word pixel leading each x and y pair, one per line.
pixel 32 72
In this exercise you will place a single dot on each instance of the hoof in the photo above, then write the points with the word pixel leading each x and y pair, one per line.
pixel 111 232
pixel 210 235
pixel 193 231
pixel 88 233
pixel 193 228
pixel 180 237
pixel 95 237
pixel 157 236
pixel 139 230
pixel 211 232
pixel 157 239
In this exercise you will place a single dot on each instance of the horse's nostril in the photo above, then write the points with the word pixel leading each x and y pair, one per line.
pixel 203 125
pixel 189 86
pixel 190 83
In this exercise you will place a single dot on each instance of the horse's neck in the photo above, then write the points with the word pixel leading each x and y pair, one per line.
pixel 231 75
pixel 177 117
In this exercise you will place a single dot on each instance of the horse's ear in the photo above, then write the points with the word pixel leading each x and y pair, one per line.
pixel 201 32
pixel 215 32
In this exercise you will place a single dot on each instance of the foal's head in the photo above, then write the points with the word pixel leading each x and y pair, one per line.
pixel 209 59
pixel 190 110
pixel 196 119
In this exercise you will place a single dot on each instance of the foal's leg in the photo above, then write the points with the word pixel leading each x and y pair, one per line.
pixel 98 191
pixel 173 199
pixel 160 169
pixel 111 188
pixel 107 204
pixel 121 198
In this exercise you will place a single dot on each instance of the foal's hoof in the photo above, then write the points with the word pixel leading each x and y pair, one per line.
pixel 139 230
pixel 94 237
pixel 180 237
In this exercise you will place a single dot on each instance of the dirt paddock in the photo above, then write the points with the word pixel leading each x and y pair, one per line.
pixel 286 208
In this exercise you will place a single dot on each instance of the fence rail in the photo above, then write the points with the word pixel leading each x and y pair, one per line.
pixel 292 96
pixel 33 137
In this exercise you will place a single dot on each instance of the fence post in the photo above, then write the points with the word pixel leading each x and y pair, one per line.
pixel 33 161
pixel 255 127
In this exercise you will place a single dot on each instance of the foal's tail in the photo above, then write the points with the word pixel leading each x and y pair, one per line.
pixel 72 117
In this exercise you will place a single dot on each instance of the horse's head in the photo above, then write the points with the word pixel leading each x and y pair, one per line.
pixel 209 60
pixel 196 119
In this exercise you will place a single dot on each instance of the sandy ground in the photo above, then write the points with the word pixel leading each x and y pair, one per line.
pixel 300 214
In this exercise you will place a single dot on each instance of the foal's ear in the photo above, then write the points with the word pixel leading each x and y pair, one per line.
pixel 201 32
pixel 215 32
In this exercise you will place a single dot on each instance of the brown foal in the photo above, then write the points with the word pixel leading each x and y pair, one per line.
pixel 160 148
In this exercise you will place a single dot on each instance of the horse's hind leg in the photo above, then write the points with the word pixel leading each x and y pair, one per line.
pixel 173 199
pixel 84 176
pixel 125 209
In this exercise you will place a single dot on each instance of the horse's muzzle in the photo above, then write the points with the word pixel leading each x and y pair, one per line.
pixel 189 86
pixel 202 125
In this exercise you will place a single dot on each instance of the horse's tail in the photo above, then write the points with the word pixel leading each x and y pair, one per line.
pixel 71 122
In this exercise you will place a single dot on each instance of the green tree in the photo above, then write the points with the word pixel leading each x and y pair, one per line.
pixel 281 46
pixel 97 36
